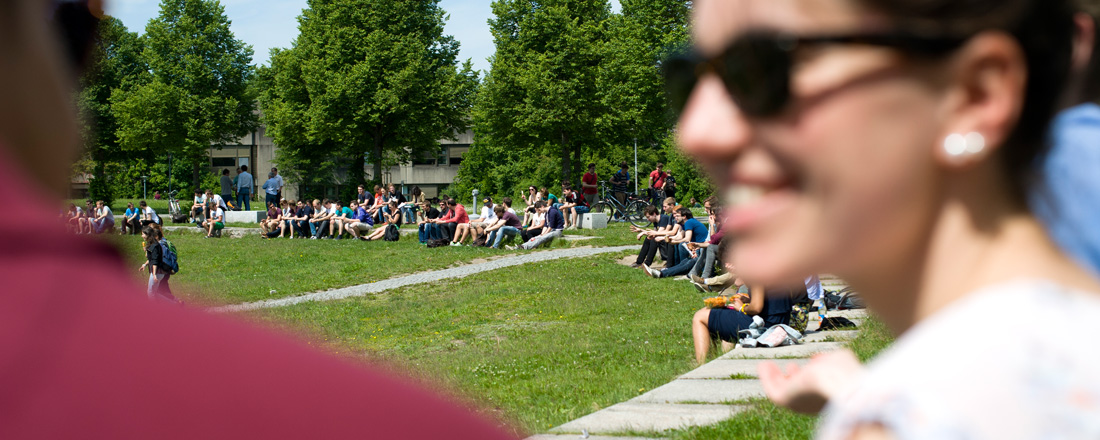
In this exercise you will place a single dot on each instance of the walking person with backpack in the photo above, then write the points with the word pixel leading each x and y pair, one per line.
pixel 161 262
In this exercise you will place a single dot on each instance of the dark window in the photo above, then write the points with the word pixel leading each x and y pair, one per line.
pixel 456 160
pixel 229 162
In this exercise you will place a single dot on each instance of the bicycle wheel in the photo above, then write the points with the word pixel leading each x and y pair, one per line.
pixel 635 213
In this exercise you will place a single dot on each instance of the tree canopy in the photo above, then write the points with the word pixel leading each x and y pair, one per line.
pixel 365 81
pixel 198 95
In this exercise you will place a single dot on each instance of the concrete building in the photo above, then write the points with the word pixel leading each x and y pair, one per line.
pixel 257 150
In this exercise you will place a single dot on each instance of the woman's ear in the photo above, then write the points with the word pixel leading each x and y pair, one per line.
pixel 986 83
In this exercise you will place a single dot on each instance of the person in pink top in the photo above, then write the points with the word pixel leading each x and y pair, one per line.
pixel 103 361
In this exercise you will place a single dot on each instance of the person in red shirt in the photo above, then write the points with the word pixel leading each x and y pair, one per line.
pixel 448 224
pixel 102 361
pixel 657 183
pixel 588 185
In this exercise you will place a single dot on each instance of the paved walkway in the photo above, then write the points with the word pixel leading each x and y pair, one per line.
pixel 704 396
pixel 426 277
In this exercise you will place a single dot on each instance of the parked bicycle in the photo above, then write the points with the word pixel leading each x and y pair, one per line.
pixel 632 209
pixel 174 211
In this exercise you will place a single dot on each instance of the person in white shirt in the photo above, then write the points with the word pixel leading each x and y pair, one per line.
pixel 217 198
pixel 148 215
pixel 197 206
pixel 216 222
pixel 104 218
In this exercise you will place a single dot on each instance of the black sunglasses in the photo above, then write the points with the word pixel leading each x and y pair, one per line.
pixel 756 67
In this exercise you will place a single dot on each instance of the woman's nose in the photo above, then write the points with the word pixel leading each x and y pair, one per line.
pixel 712 127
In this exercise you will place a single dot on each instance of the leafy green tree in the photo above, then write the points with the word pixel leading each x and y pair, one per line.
pixel 366 80
pixel 117 65
pixel 198 95
pixel 538 99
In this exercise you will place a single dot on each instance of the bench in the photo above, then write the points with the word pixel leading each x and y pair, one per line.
pixel 594 220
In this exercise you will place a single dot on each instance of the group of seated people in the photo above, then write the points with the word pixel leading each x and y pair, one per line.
pixel 497 224
pixel 329 219
pixel 688 247
pixel 98 218
pixel 573 204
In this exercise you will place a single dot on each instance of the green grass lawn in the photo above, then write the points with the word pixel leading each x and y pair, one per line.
pixel 541 344
pixel 230 271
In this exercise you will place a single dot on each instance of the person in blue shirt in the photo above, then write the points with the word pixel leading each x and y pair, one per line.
pixel 694 232
pixel 619 182
pixel 131 220
pixel 555 222
pixel 361 221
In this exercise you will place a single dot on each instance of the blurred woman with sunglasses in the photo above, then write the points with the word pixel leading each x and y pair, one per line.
pixel 891 142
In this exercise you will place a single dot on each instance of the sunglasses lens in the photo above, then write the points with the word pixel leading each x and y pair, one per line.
pixel 757 74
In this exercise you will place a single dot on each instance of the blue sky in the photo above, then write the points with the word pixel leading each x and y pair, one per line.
pixel 267 24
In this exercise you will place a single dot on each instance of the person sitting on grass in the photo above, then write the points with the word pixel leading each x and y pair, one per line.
pixel 507 202
pixel 148 215
pixel 343 216
pixel 131 220
pixel 197 206
pixel 661 223
pixel 693 232
pixel 286 213
pixel 426 230
pixel 575 206
pixel 270 225
pixel 708 251
pixel 773 305
pixel 104 220
pixel 661 236
pixel 555 222
pixel 216 222
pixel 301 220
pixel 218 199
pixel 379 202
pixel 449 222
pixel 488 217
pixel 317 219
pixel 550 198
pixel 538 222
pixel 392 217
pixel 360 223
pixel 530 199
pixel 506 227
pixel 72 218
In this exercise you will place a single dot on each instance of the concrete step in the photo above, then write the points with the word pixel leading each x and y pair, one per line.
pixel 724 368
pixel 648 417
pixel 790 351
pixel 703 391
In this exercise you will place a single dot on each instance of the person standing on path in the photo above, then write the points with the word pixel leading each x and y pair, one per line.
pixel 282 183
pixel 271 190
pixel 244 189
pixel 226 183
pixel 619 183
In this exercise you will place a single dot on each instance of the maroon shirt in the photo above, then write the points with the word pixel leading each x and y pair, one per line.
pixel 84 354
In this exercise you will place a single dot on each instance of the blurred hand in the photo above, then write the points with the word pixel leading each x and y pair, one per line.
pixel 807 389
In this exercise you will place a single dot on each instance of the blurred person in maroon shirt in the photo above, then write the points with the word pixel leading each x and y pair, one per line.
pixel 101 361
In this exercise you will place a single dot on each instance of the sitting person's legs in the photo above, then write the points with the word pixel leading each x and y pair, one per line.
pixel 499 235
pixel 541 240
pixel 720 322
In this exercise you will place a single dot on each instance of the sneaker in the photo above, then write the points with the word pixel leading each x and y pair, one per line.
pixel 653 273
pixel 695 279
pixel 635 265
pixel 700 287
pixel 456 244
pixel 509 247
pixel 313 237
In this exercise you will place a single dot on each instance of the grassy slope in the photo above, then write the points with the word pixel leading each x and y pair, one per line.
pixel 229 271
pixel 540 343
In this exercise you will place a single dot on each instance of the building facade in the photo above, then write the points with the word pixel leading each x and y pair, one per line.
pixel 258 150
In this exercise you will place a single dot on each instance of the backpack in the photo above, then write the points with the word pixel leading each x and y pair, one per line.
pixel 169 257
pixel 438 243
pixel 392 233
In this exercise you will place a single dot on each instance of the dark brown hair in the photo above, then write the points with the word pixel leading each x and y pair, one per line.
pixel 1043 28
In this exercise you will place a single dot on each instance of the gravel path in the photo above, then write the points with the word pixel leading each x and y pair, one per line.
pixel 425 277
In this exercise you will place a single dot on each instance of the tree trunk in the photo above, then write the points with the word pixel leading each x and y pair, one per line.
pixel 578 166
pixel 358 163
pixel 566 157
pixel 377 159
pixel 195 174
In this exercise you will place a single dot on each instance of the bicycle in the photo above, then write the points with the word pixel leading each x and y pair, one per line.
pixel 174 210
pixel 631 210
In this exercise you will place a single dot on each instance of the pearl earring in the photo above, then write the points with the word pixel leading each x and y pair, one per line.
pixel 961 147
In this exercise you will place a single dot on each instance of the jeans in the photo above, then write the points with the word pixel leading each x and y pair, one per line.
pixel 410 213
pixel 447 231
pixel 497 236
pixel 303 228
pixel 704 265
pixel 244 197
pixel 681 268
pixel 320 229
pixel 429 231
pixel 270 199
pixel 544 239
